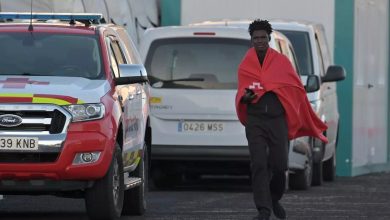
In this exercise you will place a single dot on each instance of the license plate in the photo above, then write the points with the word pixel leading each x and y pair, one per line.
pixel 200 126
pixel 18 143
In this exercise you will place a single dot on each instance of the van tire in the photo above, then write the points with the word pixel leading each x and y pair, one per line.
pixel 317 174
pixel 100 202
pixel 301 179
pixel 330 168
pixel 330 164
pixel 164 177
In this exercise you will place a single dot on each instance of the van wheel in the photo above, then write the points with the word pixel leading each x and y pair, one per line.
pixel 104 200
pixel 318 155
pixel 163 177
pixel 330 168
pixel 330 164
pixel 301 179
pixel 134 201
pixel 317 174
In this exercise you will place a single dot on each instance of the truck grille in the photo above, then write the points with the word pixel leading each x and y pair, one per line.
pixel 37 121
pixel 46 123
pixel 28 157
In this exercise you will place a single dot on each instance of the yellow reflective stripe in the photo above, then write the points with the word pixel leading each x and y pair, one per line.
pixel 50 100
pixel 39 99
pixel 155 100
pixel 137 160
pixel 16 95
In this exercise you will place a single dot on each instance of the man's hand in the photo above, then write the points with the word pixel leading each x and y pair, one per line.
pixel 248 96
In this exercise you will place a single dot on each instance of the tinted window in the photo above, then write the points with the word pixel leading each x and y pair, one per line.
pixel 50 55
pixel 301 43
pixel 201 63
pixel 116 57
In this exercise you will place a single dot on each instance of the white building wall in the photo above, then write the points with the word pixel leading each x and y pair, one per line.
pixel 312 10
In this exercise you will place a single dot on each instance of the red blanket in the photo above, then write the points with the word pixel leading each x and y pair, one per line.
pixel 277 75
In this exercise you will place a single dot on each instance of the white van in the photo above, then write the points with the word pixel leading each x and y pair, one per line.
pixel 314 58
pixel 193 74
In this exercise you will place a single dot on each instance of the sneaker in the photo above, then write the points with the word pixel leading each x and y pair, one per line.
pixel 278 210
pixel 264 214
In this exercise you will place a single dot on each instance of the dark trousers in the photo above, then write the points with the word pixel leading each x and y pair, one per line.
pixel 268 147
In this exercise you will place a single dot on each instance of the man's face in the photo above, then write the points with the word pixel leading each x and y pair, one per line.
pixel 260 40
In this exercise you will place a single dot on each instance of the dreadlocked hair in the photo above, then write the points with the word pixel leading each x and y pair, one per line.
pixel 258 24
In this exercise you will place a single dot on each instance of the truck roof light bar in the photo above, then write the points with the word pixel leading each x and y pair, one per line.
pixel 81 17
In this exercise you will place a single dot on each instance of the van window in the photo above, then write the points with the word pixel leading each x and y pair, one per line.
pixel 286 49
pixel 326 57
pixel 195 63
pixel 301 43
pixel 320 58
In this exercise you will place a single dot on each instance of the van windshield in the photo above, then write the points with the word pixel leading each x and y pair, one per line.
pixel 195 63
pixel 301 43
pixel 50 54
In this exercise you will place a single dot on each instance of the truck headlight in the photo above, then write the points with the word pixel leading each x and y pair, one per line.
pixel 86 112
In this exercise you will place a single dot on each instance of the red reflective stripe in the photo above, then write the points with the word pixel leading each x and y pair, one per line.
pixel 16 99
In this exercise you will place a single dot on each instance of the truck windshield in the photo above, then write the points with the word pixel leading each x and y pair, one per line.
pixel 195 63
pixel 301 43
pixel 48 54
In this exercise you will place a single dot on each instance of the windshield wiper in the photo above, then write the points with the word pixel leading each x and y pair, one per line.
pixel 185 79
pixel 160 83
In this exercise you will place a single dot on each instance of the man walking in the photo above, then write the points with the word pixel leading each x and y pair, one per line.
pixel 272 105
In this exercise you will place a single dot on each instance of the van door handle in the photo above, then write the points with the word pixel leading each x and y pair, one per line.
pixel 370 85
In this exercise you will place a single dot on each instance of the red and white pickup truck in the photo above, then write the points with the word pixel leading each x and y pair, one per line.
pixel 74 115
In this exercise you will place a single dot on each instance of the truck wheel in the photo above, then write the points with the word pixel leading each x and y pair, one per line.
pixel 330 168
pixel 104 200
pixel 134 200
pixel 301 179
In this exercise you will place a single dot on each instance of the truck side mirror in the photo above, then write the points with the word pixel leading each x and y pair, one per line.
pixel 334 73
pixel 312 83
pixel 131 73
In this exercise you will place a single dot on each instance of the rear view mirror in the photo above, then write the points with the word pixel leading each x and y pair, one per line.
pixel 312 83
pixel 131 73
pixel 334 73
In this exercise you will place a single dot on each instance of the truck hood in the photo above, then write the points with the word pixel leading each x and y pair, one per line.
pixel 54 90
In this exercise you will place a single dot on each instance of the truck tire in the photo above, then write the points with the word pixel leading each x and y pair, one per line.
pixel 301 179
pixel 134 199
pixel 104 200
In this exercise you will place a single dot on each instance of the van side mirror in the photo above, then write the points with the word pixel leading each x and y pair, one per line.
pixel 334 73
pixel 312 83
pixel 131 73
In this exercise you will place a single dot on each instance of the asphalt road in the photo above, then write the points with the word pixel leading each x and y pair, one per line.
pixel 363 197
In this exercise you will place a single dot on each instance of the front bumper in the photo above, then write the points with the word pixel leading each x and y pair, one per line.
pixel 188 152
pixel 20 187
pixel 73 138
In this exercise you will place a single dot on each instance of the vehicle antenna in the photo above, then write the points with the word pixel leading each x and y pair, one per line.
pixel 30 27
